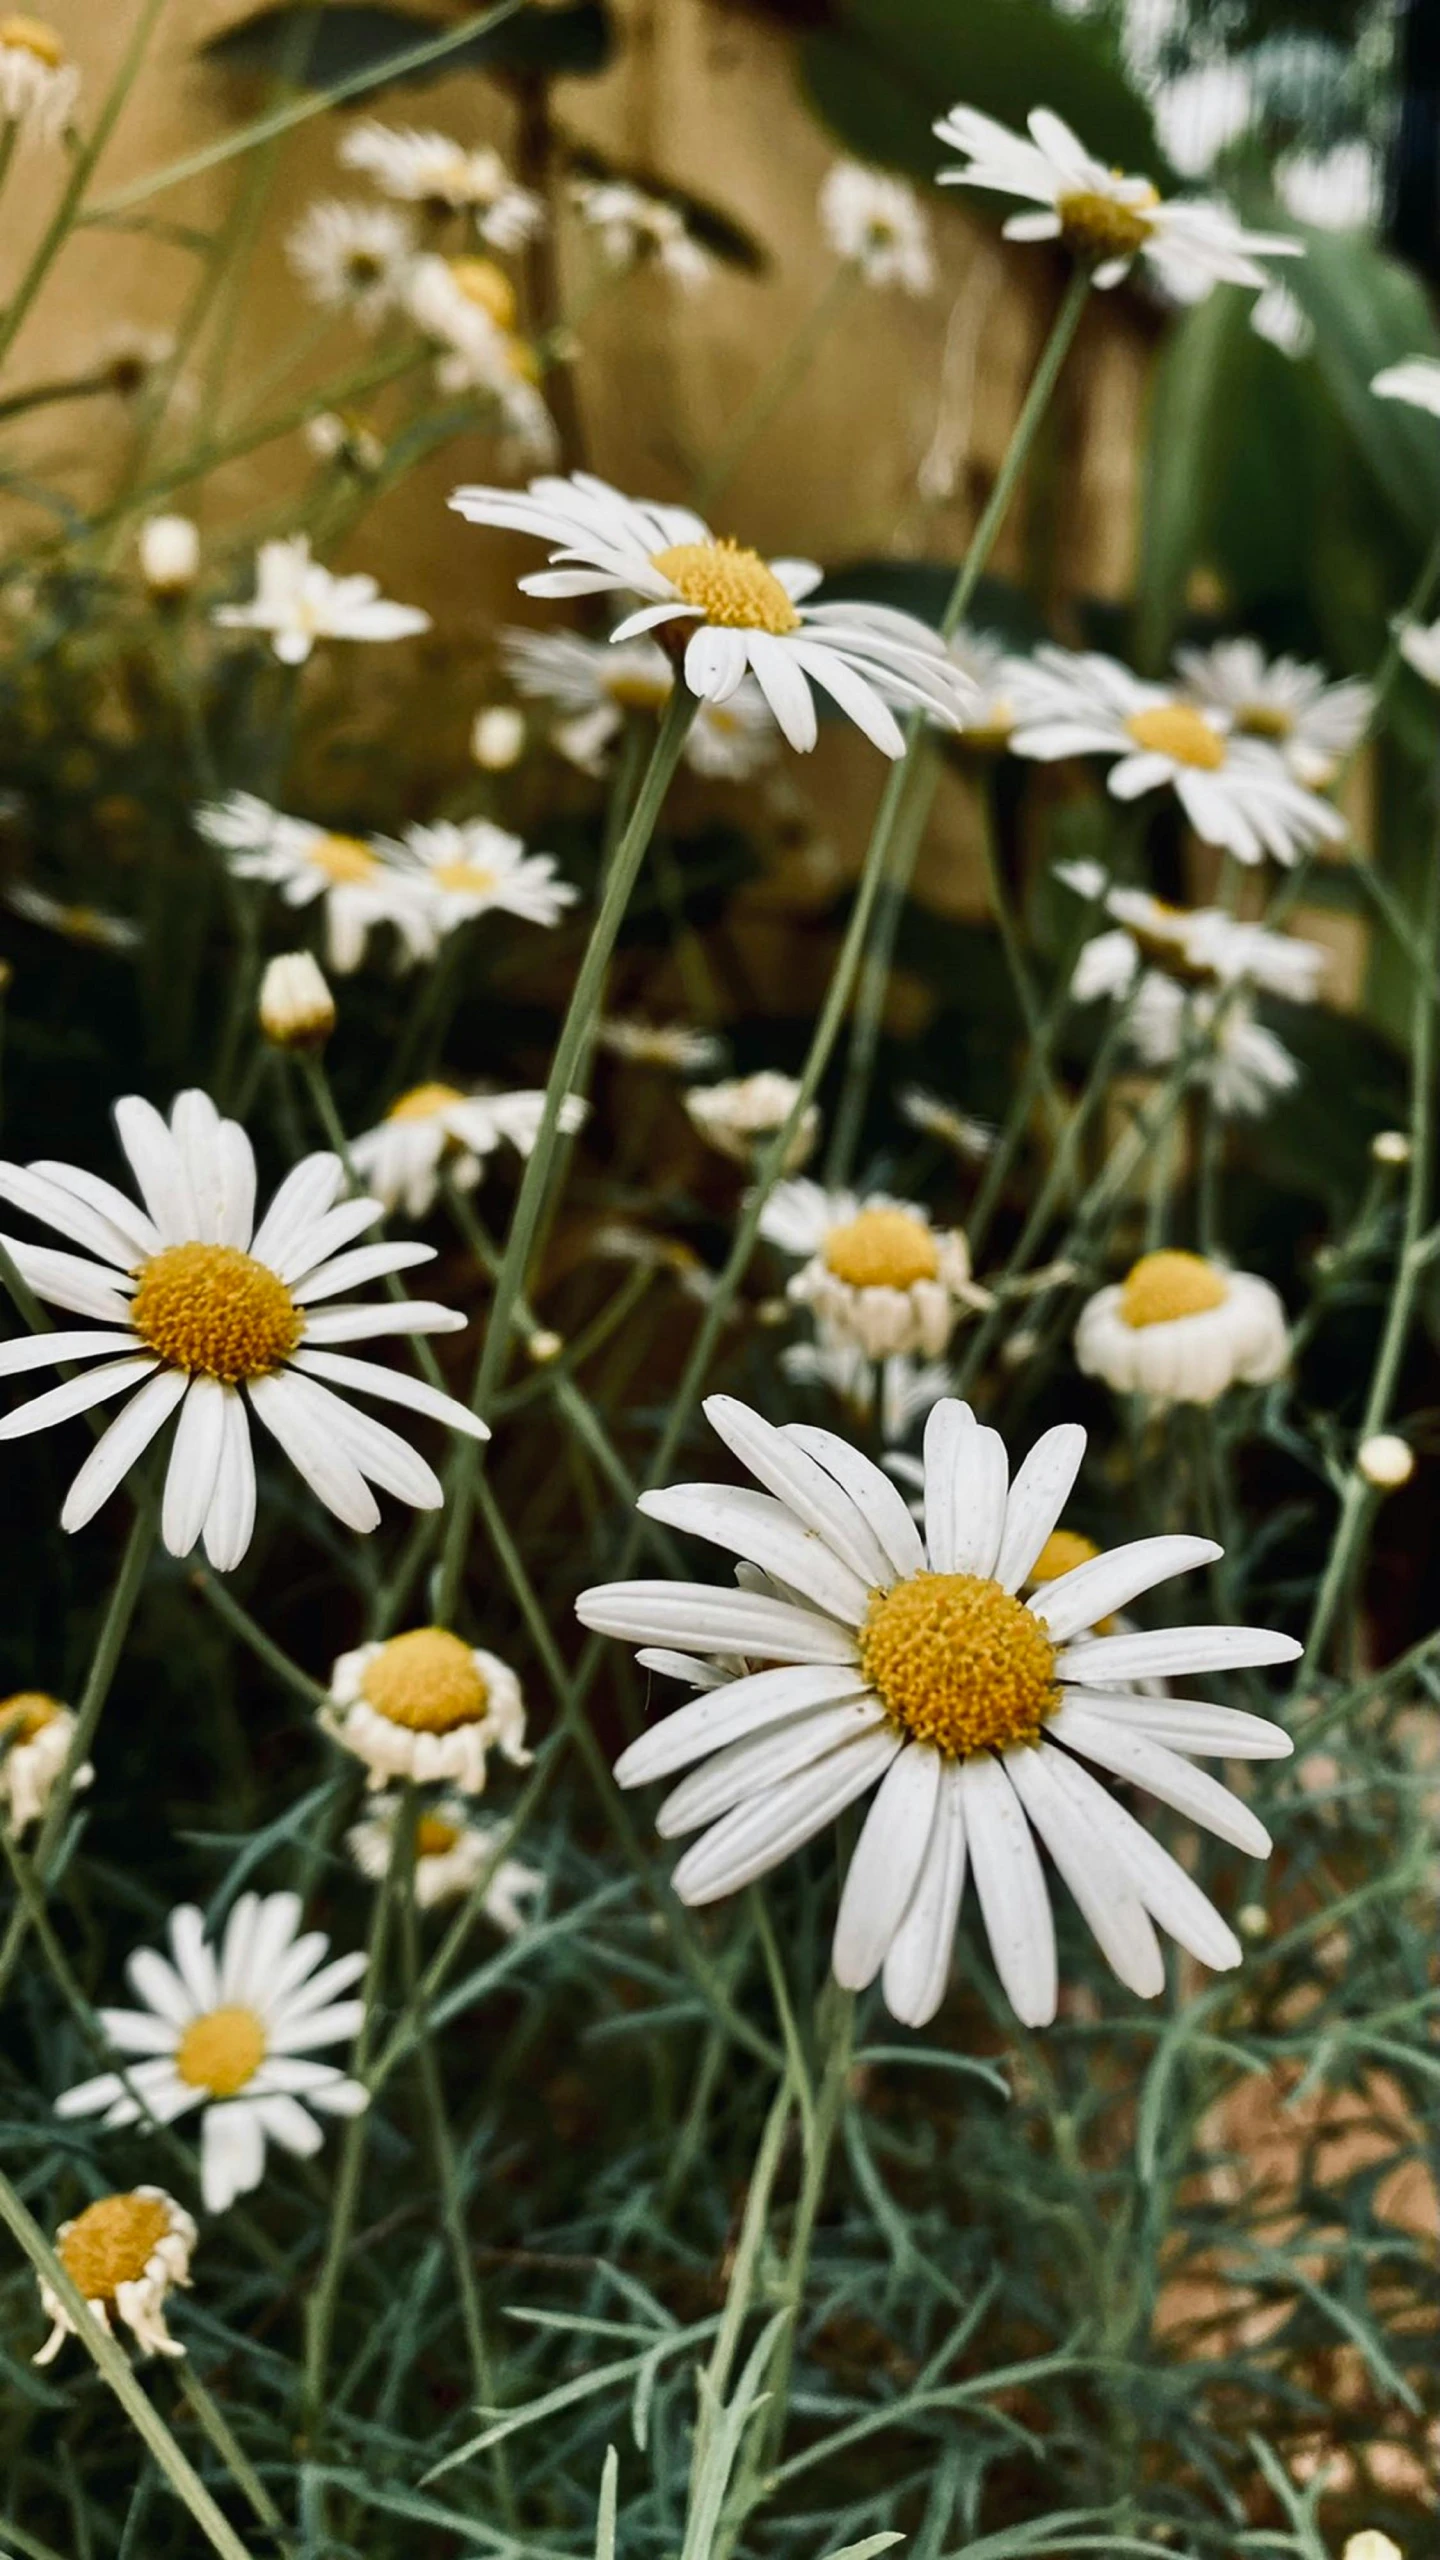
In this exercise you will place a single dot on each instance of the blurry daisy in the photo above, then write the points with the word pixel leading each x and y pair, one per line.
pixel 297 602
pixel 898 1391
pixel 168 549
pixel 435 1124
pixel 1239 1060
pixel 676 1045
pixel 1236 791
pixel 1420 648
pixel 295 1007
pixel 360 889
pixel 91 927
pixel 36 1733
pixel 467 306
pixel 1341 189
pixel 123 2253
pixel 354 258
pixel 427 1707
pixel 1416 381
pixel 230 2028
pixel 630 226
pixel 1315 724
pixel 497 737
pixel 1181 1329
pixel 929 1112
pixel 461 869
pixel 877 224
pixel 877 1274
pixel 38 86
pixel 332 437
pixel 750 613
pixel 1102 216
pixel 195 1302
pixel 991 669
pixel 596 687
pixel 911 1666
pixel 741 1116
pixel 442 175
pixel 452 1849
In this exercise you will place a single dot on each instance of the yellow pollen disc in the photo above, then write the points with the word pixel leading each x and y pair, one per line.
pixel 731 586
pixel 1177 730
pixel 471 879
pixel 1165 1286
pixel 26 1714
pixel 957 1663
pixel 487 286
pixel 215 1311
pixel 640 693
pixel 1265 720
pixel 32 35
pixel 221 2051
pixel 426 1680
pixel 434 1837
pixel 1101 227
pixel 423 1101
pixel 1062 1551
pixel 882 1249
pixel 111 2243
pixel 342 859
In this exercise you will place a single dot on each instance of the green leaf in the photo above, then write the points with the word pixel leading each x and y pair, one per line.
pixel 1368 312
pixel 318 47
pixel 1185 401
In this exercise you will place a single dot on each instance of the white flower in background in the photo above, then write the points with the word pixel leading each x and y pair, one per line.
pixel 750 613
pixel 168 548
pixel 435 1124
pixel 1200 111
pixel 297 602
pixel 354 258
pixel 996 677
pixel 91 927
pixel 877 1274
pixel 196 1303
pixel 467 306
pixel 1420 649
pixel 1337 190
pixel 36 1733
pixel 1371 2544
pixel 1181 1329
pixel 38 86
pixel 878 225
pixel 1390 1147
pixel 465 868
pixel 1242 1063
pixel 295 1006
pixel 433 170
pixel 231 2028
pixel 452 1850
pixel 1384 1460
pixel 911 1666
pixel 359 888
pixel 333 437
pixel 1195 942
pixel 596 687
pixel 1103 216
pixel 936 1118
pixel 741 1116
pixel 1276 316
pixel 900 1391
pixel 1236 791
pixel 423 1706
pixel 123 2253
pixel 497 737
pixel 630 225
pixel 1415 380
pixel 677 1045
pixel 1314 723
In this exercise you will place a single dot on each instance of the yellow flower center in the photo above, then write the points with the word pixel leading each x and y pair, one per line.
pixel 882 1249
pixel 470 879
pixel 32 35
pixel 1165 1286
pixel 426 1680
pixel 423 1101
pixel 1062 1551
pixel 956 1662
pixel 25 1715
pixel 630 692
pixel 1100 227
pixel 731 586
pixel 111 2243
pixel 487 286
pixel 434 1836
pixel 221 2051
pixel 1265 720
pixel 989 737
pixel 342 858
pixel 1178 730
pixel 215 1311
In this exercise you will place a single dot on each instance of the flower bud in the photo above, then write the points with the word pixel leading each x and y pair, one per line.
pixel 297 1010
pixel 1390 1146
pixel 1386 1461
pixel 544 1346
pixel 169 548
pixel 498 737
pixel 1372 2545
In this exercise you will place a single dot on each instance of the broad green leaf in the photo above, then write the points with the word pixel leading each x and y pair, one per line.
pixel 1368 312
pixel 317 48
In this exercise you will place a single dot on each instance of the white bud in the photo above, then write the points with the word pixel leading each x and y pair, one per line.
pixel 1372 2545
pixel 1385 1460
pixel 169 548
pixel 1390 1146
pixel 1253 1920
pixel 543 1345
pixel 498 738
pixel 297 1010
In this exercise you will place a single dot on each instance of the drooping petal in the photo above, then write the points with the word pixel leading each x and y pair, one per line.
pixel 1108 1901
pixel 917 1967
pixel 1011 1885
pixel 230 1521
pixel 1169 1895
pixel 115 1453
pixel 329 1470
pixel 194 1464
pixel 886 1866
pixel 391 1386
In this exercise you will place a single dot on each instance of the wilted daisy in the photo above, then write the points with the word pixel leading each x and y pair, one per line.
pixel 1236 791
pixel 470 867
pixel 1420 648
pixel 1104 217
pixel 631 225
pixel 1181 1328
pixel 36 1733
pixel 876 1273
pixel 677 1045
pixel 123 2253
pixel 452 1849
pixel 297 602
pixel 750 613
pixel 354 258
pixel 38 85
pixel 195 1303
pixel 168 548
pixel 877 224
pixel 596 687
pixel 1314 723
pixel 1415 380
pixel 432 170
pixel 427 1707
pixel 439 1124
pixel 911 1666
pixel 359 887
pixel 742 1115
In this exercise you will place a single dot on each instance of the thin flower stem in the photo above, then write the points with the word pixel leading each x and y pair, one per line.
pixel 775 386
pixel 218 1596
pixel 745 2265
pixel 321 2307
pixel 236 2460
pixel 1037 1067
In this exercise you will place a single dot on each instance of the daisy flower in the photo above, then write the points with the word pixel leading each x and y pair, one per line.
pixel 452 1849
pixel 230 2029
pixel 461 869
pixel 749 613
pixel 38 86
pixel 1416 381
pixel 909 1665
pixel 1315 724
pixel 1242 1063
pixel 297 602
pixel 123 2253
pixel 195 1303
pixel 1235 791
pixel 426 1707
pixel 877 225
pixel 1181 1329
pixel 742 1115
pixel 1103 216
pixel 630 225
pixel 432 170
pixel 435 1124
pixel 877 1274
pixel 92 927
pixel 359 888
pixel 596 687
pixel 995 675
pixel 467 306
pixel 35 1737
pixel 353 257
pixel 677 1045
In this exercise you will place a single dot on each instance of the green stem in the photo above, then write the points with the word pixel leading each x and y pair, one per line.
pixel 237 2462
pixel 837 2030
pixel 320 2310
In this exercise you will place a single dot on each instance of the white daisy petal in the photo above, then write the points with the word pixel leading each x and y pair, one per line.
pixel 748 1767
pixel 159 1986
pixel 312 1242
pixel 1172 1651
pixel 886 1866
pixel 1042 1487
pixel 1191 1725
pixel 115 1453
pixel 282 2119
pixel 1169 1895
pixel 129 1222
pixel 194 1464
pixel 966 1474
pixel 352 1270
pixel 754 1838
pixel 230 1521
pixel 63 1280
pixel 1011 1885
pixel 725 1715
pixel 76 1395
pixel 194 1960
pixel 392 1386
pixel 158 1167
pixel 302 1199
pixel 57 1206
pixel 232 2154
pixel 882 1502
pixel 47 1350
pixel 781 678
pixel 1116 1917
pixel 1077 1599
pixel 382 1456
pixel 756 1526
pixel 802 1484
pixel 682 1666
pixel 330 1472
pixel 1161 1773
pixel 721 1621
pixel 917 1967
pixel 859 700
